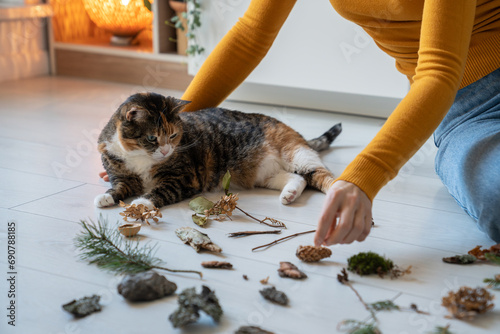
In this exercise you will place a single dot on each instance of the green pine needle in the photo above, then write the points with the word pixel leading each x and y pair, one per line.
pixel 441 330
pixel 492 258
pixel 385 305
pixel 108 250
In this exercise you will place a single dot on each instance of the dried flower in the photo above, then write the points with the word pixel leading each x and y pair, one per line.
pixel 140 212
pixel 312 254
pixel 467 302
pixel 288 269
pixel 481 254
pixel 224 206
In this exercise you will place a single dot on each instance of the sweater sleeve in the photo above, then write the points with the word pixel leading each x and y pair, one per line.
pixel 444 42
pixel 238 53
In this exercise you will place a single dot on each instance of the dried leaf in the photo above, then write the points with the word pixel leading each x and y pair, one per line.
pixel 343 277
pixel 264 280
pixel 200 205
pixel 460 259
pixel 199 220
pixel 288 269
pixel 245 277
pixel 196 239
pixel 226 181
pixel 467 302
pixel 217 264
pixel 276 296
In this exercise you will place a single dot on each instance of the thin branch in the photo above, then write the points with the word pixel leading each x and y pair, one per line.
pixel 282 239
pixel 274 223
pixel 247 233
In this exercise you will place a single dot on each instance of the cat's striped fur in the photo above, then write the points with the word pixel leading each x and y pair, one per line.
pixel 151 149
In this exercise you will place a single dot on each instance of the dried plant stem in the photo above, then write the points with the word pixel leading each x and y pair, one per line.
pixel 247 233
pixel 282 239
pixel 368 308
pixel 278 224
pixel 179 270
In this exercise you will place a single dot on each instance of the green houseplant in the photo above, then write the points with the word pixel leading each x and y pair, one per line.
pixel 187 21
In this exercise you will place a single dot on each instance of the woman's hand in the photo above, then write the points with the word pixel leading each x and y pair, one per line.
pixel 104 176
pixel 352 207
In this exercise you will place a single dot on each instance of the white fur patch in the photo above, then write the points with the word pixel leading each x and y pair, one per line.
pixel 305 160
pixel 146 202
pixel 104 200
pixel 270 166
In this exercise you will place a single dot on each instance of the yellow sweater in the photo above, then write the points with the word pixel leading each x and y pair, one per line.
pixel 440 46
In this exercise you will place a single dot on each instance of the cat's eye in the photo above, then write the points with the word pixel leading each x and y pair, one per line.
pixel 173 136
pixel 151 138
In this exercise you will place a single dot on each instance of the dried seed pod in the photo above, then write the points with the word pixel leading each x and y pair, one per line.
pixel 145 286
pixel 217 264
pixel 83 306
pixel 129 229
pixel 467 302
pixel 276 296
pixel 196 239
pixel 288 269
pixel 251 330
pixel 312 254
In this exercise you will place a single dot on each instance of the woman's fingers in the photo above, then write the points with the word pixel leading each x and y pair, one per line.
pixel 104 176
pixel 328 218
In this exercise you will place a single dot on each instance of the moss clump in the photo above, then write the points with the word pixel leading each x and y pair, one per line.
pixel 369 263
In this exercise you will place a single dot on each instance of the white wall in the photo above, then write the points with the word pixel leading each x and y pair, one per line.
pixel 318 61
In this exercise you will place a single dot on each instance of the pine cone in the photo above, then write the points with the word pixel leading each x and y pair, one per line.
pixel 312 254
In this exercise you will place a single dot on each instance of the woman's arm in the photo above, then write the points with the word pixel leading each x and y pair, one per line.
pixel 238 53
pixel 444 43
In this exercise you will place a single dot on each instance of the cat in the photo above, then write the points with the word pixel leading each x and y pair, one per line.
pixel 151 149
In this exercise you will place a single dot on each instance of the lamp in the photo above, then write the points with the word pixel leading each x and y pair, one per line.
pixel 123 18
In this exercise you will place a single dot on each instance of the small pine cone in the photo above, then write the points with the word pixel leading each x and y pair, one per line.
pixel 312 254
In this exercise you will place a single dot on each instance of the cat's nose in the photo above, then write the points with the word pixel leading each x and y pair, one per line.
pixel 164 151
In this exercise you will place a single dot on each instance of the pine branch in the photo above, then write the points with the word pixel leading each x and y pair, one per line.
pixel 109 251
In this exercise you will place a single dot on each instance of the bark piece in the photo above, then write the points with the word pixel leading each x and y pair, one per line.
pixel 190 305
pixel 275 296
pixel 145 286
pixel 288 269
pixel 196 239
pixel 251 330
pixel 312 254
pixel 217 264
pixel 83 306
pixel 460 259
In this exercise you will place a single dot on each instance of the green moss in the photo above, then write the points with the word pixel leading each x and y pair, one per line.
pixel 369 263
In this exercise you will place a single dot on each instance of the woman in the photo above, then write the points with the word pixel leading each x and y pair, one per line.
pixel 443 47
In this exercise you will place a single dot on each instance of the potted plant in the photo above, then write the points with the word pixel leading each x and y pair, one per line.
pixel 187 20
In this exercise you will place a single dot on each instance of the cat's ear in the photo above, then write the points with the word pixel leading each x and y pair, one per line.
pixel 133 113
pixel 179 105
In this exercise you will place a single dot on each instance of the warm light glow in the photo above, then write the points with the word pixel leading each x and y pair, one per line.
pixel 121 17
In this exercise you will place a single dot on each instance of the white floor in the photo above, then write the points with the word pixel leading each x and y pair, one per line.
pixel 48 179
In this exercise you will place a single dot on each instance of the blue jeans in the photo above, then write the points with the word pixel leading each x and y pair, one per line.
pixel 468 157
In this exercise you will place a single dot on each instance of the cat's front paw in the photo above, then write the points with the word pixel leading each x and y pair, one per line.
pixel 104 200
pixel 144 201
pixel 288 196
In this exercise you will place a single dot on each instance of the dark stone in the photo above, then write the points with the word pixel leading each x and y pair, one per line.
pixel 145 286
pixel 83 306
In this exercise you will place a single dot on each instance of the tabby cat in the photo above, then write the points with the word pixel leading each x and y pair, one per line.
pixel 151 149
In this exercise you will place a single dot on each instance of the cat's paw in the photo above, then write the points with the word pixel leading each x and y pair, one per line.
pixel 146 202
pixel 287 197
pixel 104 200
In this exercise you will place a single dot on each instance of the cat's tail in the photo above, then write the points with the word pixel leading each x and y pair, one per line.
pixel 323 142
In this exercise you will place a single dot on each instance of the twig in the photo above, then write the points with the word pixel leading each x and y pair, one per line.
pixel 282 239
pixel 343 278
pixel 274 222
pixel 247 233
